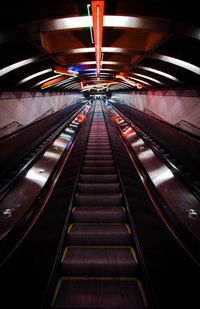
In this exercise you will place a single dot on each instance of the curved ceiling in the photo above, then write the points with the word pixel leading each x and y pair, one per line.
pixel 147 44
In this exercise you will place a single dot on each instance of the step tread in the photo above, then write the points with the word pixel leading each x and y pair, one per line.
pixel 108 188
pixel 99 293
pixel 98 214
pixel 98 170
pixel 98 234
pixel 98 261
pixel 115 199
pixel 94 163
pixel 92 178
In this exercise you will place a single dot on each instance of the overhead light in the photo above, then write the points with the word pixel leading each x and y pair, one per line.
pixel 104 62
pixel 17 65
pixel 65 71
pixel 169 76
pixel 183 64
pixel 97 18
pixel 100 85
pixel 45 80
pixel 26 79
pixel 148 77
pixel 128 81
pixel 141 81
pixel 52 82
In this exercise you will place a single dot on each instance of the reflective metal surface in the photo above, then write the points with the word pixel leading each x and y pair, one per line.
pixel 18 201
pixel 177 196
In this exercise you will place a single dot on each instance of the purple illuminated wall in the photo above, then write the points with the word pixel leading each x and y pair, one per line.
pixel 177 107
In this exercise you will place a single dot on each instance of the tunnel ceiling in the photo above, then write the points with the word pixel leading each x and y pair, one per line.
pixel 48 45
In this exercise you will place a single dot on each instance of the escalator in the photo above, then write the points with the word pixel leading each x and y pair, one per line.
pixel 99 241
pixel 99 267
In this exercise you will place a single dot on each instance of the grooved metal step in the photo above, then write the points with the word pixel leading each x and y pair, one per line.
pixel 104 293
pixel 89 178
pixel 98 170
pixel 99 214
pixel 98 234
pixel 98 261
pixel 98 188
pixel 98 163
pixel 114 199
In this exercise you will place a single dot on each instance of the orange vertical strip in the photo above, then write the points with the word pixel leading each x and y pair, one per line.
pixel 97 17
pixel 53 81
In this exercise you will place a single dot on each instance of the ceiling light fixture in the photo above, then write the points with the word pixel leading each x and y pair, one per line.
pixel 128 81
pixel 52 82
pixel 65 71
pixel 26 79
pixel 97 18
pixel 101 85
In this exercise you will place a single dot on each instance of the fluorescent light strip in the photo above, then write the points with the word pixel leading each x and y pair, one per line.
pixel 72 83
pixel 183 64
pixel 46 80
pixel 158 72
pixel 66 23
pixel 151 24
pixel 33 76
pixel 135 22
pixel 124 84
pixel 63 82
pixel 77 85
pixel 141 80
pixel 108 21
pixel 92 50
pixel 97 19
pixel 147 77
pixel 17 65
pixel 103 62
pixel 128 81
pixel 104 70
pixel 93 73
pixel 67 80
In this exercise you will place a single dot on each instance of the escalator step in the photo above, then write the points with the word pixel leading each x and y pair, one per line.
pixel 98 151
pixel 98 188
pixel 88 178
pixel 98 261
pixel 97 139
pixel 98 157
pixel 98 148
pixel 98 199
pixel 98 214
pixel 98 234
pixel 99 163
pixel 90 293
pixel 98 142
pixel 98 170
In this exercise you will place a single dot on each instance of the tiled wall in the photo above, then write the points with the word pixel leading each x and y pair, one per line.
pixel 25 107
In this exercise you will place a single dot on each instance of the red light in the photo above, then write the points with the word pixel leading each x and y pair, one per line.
pixel 97 17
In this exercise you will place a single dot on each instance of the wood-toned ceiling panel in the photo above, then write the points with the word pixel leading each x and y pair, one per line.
pixel 76 58
pixel 119 57
pixel 136 39
pixel 64 40
pixel 118 67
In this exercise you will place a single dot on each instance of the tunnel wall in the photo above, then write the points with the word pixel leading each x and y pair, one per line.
pixel 177 107
pixel 25 107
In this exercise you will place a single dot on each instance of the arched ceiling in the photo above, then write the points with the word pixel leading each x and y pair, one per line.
pixel 147 44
